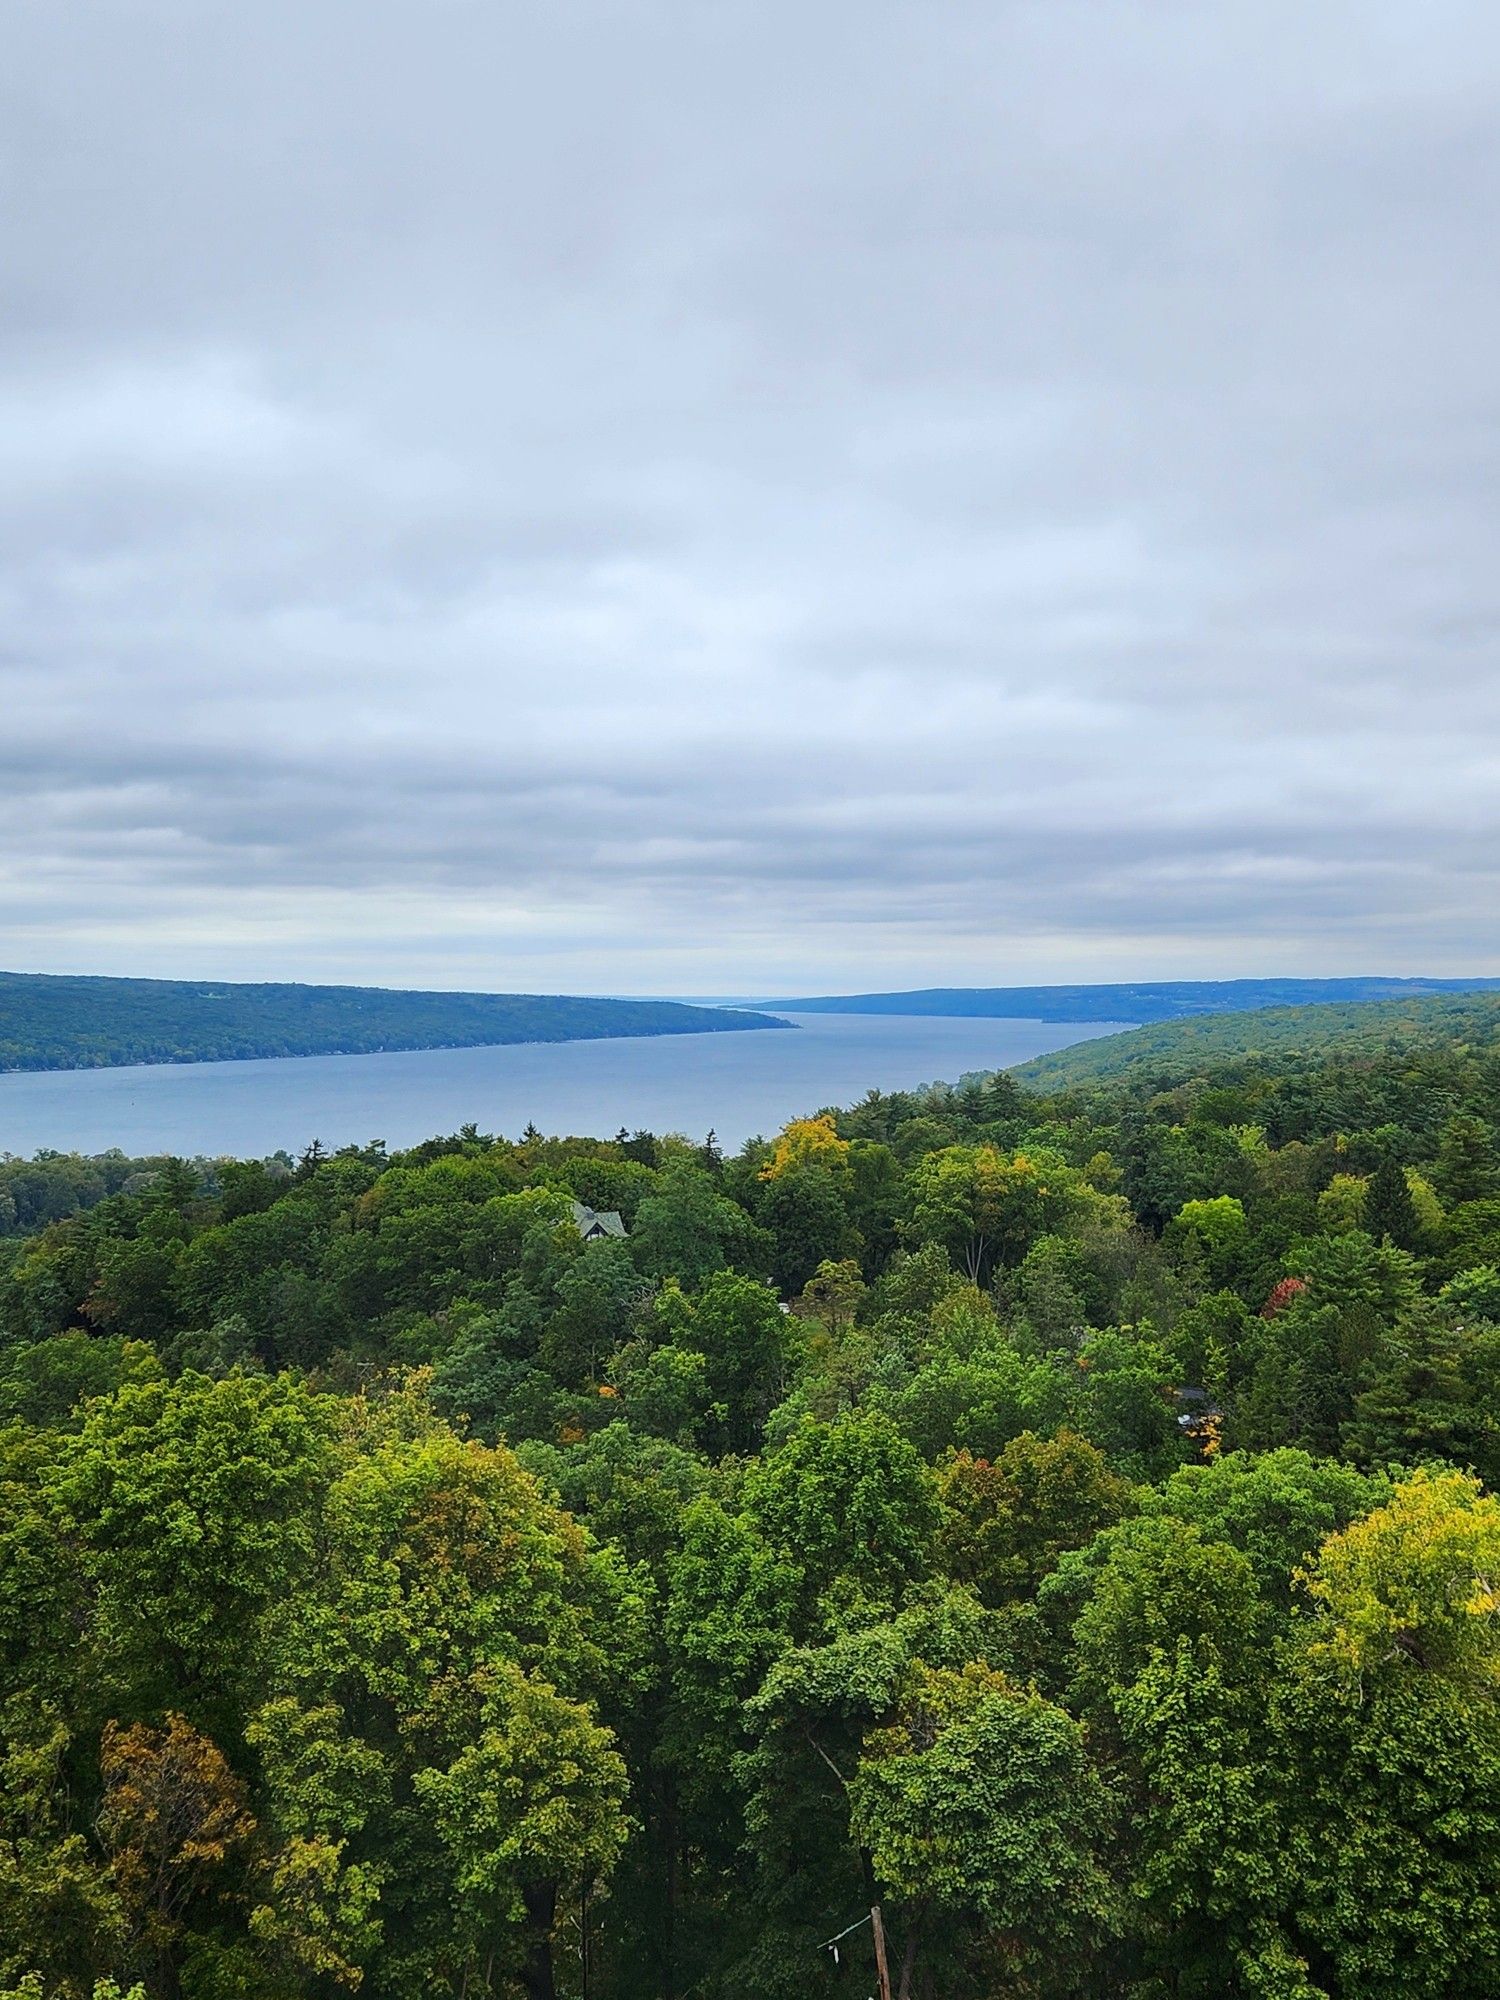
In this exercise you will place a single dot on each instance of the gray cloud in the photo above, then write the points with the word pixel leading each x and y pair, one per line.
pixel 638 496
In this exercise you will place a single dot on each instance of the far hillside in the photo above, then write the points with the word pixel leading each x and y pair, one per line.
pixel 1171 1052
pixel 49 1022
pixel 1153 1000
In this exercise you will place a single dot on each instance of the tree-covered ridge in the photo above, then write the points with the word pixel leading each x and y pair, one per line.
pixel 1144 1001
pixel 51 1022
pixel 1064 1522
pixel 1168 1053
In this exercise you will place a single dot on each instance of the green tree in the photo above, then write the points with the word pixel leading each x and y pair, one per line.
pixel 749 1345
pixel 852 1504
pixel 986 1208
pixel 530 1812
pixel 1275 1507
pixel 1467 1166
pixel 1007 1522
pixel 597 1298
pixel 805 1209
pixel 1217 1229
pixel 1390 1214
pixel 986 1825
pixel 686 1229
pixel 730 1610
pixel 191 1507
pixel 1172 1654
pixel 61 1912
pixel 317 1915
pixel 1390 1733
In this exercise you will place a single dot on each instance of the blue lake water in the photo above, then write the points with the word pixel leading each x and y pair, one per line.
pixel 740 1084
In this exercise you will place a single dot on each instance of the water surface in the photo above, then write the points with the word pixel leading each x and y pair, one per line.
pixel 740 1084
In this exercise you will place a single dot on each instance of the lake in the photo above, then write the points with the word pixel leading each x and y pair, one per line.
pixel 740 1084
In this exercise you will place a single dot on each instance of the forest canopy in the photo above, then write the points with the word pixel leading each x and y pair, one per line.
pixel 1157 1056
pixel 1061 1522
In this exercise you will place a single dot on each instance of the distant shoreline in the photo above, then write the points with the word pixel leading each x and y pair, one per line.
pixel 396 1049
pixel 51 1023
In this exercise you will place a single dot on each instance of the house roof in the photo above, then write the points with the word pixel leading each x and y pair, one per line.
pixel 597 1221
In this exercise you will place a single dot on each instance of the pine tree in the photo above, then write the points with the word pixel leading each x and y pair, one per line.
pixel 1390 1215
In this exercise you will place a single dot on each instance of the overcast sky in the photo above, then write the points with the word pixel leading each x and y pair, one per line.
pixel 706 497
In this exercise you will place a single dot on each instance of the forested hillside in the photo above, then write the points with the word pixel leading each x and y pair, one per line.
pixel 1149 1000
pixel 48 1022
pixel 1096 1569
pixel 1266 1040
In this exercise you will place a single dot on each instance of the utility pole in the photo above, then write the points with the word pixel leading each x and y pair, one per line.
pixel 882 1970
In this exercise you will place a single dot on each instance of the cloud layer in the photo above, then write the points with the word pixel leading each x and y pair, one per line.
pixel 651 497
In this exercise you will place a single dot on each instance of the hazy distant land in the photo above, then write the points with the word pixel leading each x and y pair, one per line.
pixel 50 1022
pixel 1153 1000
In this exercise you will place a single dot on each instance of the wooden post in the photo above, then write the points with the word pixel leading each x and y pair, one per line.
pixel 882 1970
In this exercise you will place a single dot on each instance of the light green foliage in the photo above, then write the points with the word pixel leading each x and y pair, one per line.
pixel 1354 1270
pixel 1217 1229
pixel 1385 1714
pixel 986 1208
pixel 1162 1586
pixel 1392 1832
pixel 1475 1293
pixel 663 1390
pixel 534 1795
pixel 731 1607
pixel 1341 1205
pixel 322 1787
pixel 1276 1507
pixel 1419 1578
pixel 60 1909
pixel 190 1505
pixel 1467 1167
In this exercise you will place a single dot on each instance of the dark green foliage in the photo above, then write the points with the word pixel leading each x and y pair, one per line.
pixel 1278 1037
pixel 1062 1521
pixel 1390 1215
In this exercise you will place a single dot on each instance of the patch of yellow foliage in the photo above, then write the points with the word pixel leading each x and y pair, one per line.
pixel 806 1142
pixel 1418 1580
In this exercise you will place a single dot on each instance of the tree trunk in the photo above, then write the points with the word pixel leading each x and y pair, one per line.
pixel 908 1965
pixel 541 1910
pixel 669 1939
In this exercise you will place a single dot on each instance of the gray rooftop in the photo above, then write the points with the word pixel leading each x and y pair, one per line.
pixel 593 1223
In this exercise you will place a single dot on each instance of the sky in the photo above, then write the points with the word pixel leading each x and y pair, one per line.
pixel 701 497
